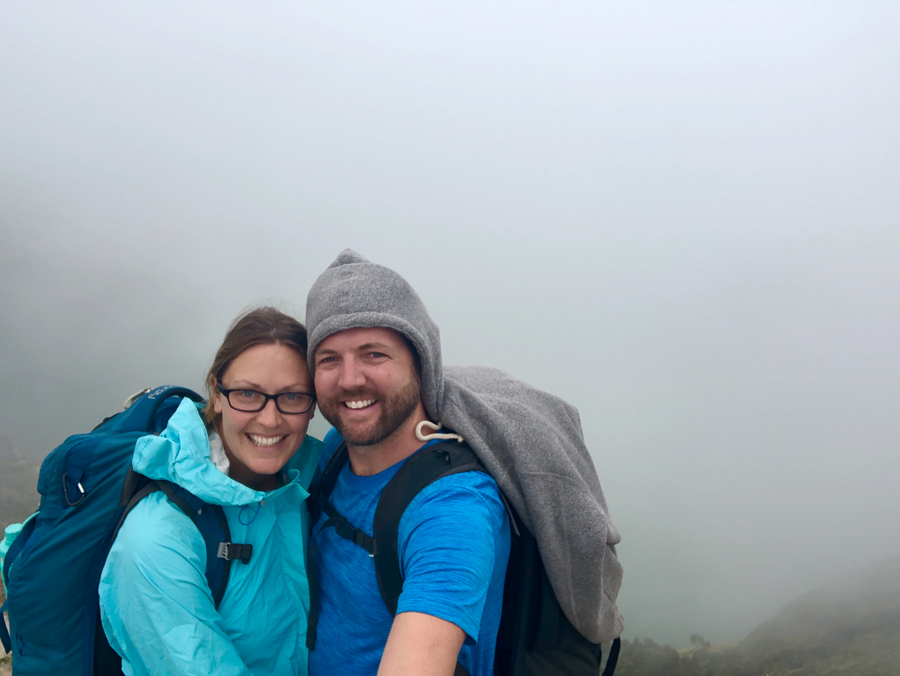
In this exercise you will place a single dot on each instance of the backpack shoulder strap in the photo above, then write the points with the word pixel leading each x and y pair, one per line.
pixel 322 487
pixel 319 504
pixel 425 467
pixel 322 505
pixel 5 640
pixel 210 521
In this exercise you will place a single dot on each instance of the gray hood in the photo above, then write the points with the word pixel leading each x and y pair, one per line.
pixel 353 293
pixel 530 441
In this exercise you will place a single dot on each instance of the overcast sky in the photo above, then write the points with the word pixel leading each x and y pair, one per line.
pixel 682 217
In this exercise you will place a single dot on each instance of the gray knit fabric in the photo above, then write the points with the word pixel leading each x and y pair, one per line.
pixel 529 440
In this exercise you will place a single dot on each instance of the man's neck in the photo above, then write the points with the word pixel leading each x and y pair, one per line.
pixel 402 443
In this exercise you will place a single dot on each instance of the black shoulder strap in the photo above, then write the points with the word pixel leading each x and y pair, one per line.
pixel 536 617
pixel 213 526
pixel 320 504
pixel 323 485
pixel 425 467
pixel 209 519
pixel 613 658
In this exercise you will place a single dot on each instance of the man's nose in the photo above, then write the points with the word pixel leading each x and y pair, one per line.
pixel 352 376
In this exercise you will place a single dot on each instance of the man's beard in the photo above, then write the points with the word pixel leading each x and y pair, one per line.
pixel 395 410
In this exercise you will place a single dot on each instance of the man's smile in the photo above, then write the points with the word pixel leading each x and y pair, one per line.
pixel 359 403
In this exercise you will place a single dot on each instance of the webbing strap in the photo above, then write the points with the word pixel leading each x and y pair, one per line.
pixel 613 658
pixel 424 467
pixel 344 528
pixel 218 567
pixel 4 632
pixel 320 491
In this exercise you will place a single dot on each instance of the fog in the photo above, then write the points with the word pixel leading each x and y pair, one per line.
pixel 682 217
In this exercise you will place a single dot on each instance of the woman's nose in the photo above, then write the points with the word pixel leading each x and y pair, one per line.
pixel 270 415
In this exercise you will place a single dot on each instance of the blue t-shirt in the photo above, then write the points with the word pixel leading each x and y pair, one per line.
pixel 453 546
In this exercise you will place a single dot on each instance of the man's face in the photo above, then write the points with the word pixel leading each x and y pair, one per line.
pixel 366 383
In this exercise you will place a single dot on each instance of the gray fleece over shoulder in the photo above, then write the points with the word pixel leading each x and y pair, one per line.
pixel 530 441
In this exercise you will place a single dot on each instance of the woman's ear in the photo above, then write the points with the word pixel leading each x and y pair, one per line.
pixel 214 393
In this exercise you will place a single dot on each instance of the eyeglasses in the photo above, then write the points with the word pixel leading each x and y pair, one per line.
pixel 251 401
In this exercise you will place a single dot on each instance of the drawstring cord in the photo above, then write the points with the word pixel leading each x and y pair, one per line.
pixel 434 426
pixel 245 510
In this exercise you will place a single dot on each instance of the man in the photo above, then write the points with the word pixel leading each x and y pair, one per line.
pixel 375 357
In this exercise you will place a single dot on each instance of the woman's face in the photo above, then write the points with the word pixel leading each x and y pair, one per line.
pixel 259 444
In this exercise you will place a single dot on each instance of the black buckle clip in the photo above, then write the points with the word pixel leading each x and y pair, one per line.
pixel 232 552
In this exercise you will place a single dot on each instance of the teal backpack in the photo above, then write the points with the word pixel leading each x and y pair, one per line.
pixel 52 569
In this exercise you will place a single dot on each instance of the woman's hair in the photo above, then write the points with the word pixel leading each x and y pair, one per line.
pixel 261 326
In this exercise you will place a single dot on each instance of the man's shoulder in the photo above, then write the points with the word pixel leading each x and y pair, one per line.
pixel 330 444
pixel 473 482
pixel 475 486
pixel 461 497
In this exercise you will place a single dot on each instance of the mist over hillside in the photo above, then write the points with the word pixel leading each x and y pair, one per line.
pixel 680 217
pixel 848 627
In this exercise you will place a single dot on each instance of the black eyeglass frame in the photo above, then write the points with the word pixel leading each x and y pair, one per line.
pixel 227 394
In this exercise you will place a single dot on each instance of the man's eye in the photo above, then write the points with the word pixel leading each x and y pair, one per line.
pixel 377 355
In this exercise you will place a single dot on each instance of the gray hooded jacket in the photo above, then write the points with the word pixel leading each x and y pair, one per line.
pixel 530 441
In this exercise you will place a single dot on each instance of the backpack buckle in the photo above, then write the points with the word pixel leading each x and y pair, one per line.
pixel 232 552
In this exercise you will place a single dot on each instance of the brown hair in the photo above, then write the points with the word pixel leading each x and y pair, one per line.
pixel 260 326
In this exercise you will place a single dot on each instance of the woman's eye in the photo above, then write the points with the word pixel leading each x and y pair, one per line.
pixel 290 396
pixel 247 394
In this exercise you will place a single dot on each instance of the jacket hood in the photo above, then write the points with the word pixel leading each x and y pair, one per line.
pixel 180 454
pixel 356 293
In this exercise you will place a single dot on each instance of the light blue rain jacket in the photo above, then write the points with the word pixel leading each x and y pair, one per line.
pixel 156 606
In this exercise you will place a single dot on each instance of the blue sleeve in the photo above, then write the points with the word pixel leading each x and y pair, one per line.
pixel 155 603
pixel 450 537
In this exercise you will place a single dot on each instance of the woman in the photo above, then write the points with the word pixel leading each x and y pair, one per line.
pixel 252 456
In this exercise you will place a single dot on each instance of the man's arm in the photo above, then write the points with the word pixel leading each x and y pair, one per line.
pixel 421 645
pixel 453 542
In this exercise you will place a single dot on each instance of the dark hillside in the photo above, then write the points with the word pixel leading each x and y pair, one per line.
pixel 849 627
